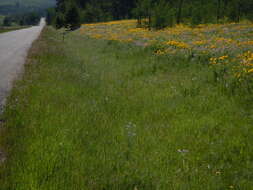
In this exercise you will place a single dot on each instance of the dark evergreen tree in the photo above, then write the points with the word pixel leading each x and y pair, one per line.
pixel 59 21
pixel 73 18
pixel 147 13
pixel 50 18
pixel 179 11
pixel 162 15
pixel 7 21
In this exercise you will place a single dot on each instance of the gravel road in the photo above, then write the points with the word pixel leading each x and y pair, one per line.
pixel 13 51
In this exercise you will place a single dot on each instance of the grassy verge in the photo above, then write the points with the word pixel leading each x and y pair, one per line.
pixel 96 114
pixel 11 28
pixel 1 19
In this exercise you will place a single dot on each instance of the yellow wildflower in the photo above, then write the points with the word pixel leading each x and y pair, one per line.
pixel 178 44
pixel 250 71
pixel 223 57
pixel 159 52
pixel 198 43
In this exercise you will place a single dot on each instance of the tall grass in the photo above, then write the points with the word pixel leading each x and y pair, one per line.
pixel 93 114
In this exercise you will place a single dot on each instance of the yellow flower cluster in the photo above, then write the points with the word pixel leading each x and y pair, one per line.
pixel 178 44
pixel 219 60
pixel 110 23
pixel 223 57
pixel 160 52
pixel 250 71
pixel 246 43
pixel 245 66
pixel 225 40
pixel 97 36
pixel 241 66
pixel 133 30
pixel 199 43
pixel 212 47
pixel 206 39
pixel 246 58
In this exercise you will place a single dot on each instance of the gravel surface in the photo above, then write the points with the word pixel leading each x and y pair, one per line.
pixel 13 51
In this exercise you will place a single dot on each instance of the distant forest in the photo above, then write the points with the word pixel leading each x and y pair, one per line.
pixel 22 19
pixel 23 12
pixel 8 7
pixel 150 13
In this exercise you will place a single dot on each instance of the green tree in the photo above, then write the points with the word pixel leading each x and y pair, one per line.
pixel 7 21
pixel 152 13
pixel 143 12
pixel 50 16
pixel 73 17
pixel 162 15
pixel 179 11
pixel 59 21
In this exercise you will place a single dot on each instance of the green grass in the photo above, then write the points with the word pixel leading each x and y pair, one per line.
pixel 100 115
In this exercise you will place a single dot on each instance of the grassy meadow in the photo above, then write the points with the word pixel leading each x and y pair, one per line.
pixel 93 113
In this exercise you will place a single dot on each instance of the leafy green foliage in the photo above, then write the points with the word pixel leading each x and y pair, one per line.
pixel 160 13
pixel 22 19
pixel 73 17
pixel 143 12
pixel 50 17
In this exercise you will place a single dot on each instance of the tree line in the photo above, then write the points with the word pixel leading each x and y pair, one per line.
pixel 22 19
pixel 149 13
